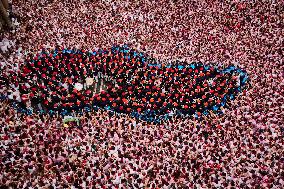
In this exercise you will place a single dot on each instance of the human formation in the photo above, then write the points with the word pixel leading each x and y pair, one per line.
pixel 142 87
pixel 242 147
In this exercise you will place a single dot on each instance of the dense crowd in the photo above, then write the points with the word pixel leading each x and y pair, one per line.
pixel 243 147
pixel 137 85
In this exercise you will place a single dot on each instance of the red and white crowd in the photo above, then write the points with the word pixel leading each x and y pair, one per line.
pixel 242 148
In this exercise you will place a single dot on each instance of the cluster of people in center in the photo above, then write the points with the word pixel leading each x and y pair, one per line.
pixel 142 87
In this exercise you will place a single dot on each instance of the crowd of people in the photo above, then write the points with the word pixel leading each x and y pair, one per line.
pixel 142 86
pixel 241 148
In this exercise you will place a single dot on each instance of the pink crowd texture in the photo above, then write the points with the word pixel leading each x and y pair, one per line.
pixel 242 148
